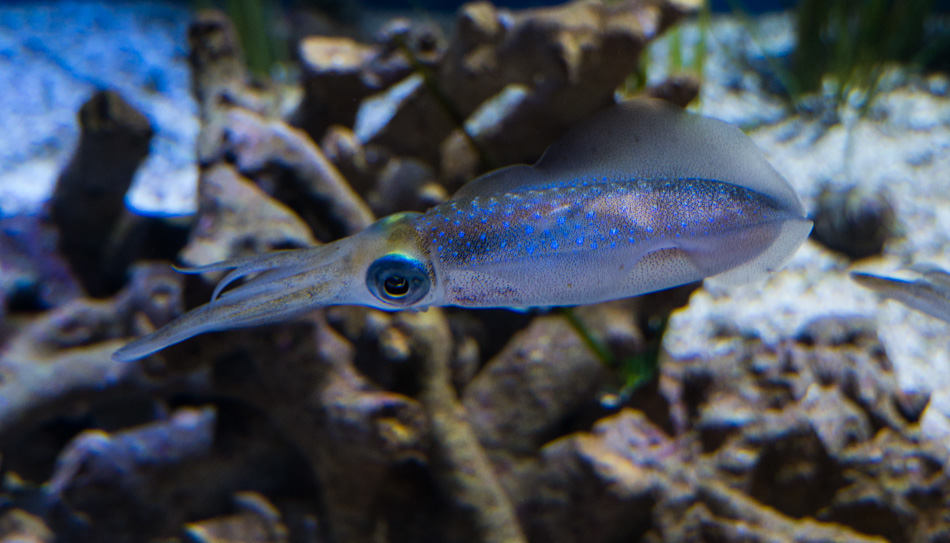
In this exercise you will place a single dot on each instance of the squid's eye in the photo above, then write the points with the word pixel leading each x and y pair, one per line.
pixel 398 279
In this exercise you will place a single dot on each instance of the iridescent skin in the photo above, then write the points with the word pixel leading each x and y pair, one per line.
pixel 641 197
pixel 587 240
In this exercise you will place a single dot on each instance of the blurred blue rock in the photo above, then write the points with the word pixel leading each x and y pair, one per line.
pixel 55 55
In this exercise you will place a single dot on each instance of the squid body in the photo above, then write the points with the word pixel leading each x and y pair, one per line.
pixel 928 292
pixel 641 197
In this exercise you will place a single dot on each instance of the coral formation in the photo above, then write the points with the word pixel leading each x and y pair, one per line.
pixel 114 141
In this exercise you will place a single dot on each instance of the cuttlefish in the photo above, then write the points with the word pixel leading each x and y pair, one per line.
pixel 641 197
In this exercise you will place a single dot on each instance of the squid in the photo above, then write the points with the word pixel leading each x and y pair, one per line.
pixel 641 197
pixel 928 292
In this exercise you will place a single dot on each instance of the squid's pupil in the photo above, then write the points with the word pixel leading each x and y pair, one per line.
pixel 396 285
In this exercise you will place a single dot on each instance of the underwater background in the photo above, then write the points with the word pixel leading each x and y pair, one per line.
pixel 813 405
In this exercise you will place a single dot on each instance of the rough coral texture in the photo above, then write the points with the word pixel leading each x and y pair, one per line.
pixel 356 425
pixel 115 140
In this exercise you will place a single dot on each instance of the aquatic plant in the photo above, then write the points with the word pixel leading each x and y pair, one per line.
pixel 632 371
pixel 255 22
pixel 847 43
pixel 685 58
pixel 844 47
